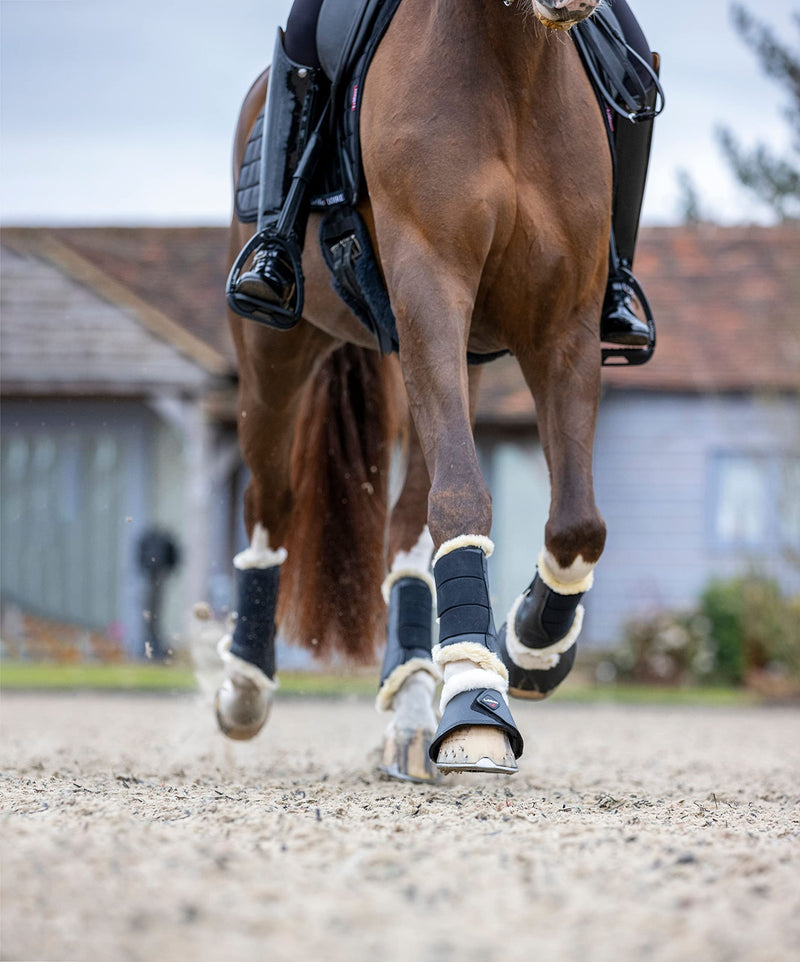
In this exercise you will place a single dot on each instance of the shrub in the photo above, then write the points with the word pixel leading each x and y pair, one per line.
pixel 666 648
pixel 753 627
pixel 744 632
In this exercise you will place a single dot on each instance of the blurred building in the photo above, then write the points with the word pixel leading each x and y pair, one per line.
pixel 116 363
pixel 118 387
pixel 697 453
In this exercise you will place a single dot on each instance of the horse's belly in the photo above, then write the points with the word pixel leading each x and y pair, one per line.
pixel 485 338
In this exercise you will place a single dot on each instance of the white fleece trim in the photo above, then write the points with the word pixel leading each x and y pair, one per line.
pixel 259 554
pixel 472 680
pixel 395 575
pixel 563 587
pixel 470 651
pixel 239 666
pixel 399 677
pixel 465 541
pixel 539 659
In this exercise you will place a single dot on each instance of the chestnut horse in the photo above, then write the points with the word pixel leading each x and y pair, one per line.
pixel 489 206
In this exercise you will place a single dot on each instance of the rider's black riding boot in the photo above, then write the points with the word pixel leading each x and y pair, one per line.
pixel 293 103
pixel 619 324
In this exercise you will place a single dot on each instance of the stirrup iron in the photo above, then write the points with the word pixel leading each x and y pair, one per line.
pixel 623 356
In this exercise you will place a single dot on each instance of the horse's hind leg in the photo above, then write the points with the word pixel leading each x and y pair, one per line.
pixel 273 369
pixel 408 675
pixel 538 640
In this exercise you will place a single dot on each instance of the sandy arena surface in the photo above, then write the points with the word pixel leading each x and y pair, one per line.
pixel 133 830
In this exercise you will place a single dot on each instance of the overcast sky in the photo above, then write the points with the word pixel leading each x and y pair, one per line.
pixel 122 111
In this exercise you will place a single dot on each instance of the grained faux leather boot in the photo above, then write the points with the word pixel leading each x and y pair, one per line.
pixel 292 110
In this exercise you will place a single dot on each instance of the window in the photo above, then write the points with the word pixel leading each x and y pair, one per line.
pixel 755 501
pixel 789 503
pixel 741 500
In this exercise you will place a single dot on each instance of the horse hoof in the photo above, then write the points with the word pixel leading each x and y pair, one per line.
pixel 405 756
pixel 477 748
pixel 242 707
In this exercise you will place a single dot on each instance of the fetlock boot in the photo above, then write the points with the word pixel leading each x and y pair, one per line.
pixel 619 322
pixel 292 111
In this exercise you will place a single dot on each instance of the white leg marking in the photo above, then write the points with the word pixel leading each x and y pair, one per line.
pixel 398 678
pixel 259 554
pixel 415 563
pixel 412 706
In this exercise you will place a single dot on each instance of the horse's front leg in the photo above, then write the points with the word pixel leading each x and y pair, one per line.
pixel 538 640
pixel 433 305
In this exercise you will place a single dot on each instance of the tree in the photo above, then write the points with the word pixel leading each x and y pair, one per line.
pixel 774 180
pixel 691 212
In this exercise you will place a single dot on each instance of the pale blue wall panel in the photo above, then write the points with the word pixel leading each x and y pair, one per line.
pixel 654 483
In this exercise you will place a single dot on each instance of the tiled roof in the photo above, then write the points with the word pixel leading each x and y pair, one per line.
pixel 726 300
pixel 727 307
pixel 178 271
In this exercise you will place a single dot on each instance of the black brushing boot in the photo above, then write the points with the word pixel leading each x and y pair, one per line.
pixel 408 680
pixel 244 699
pixel 477 732
pixel 539 647
pixel 409 632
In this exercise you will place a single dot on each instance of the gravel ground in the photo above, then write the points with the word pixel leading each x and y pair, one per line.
pixel 132 830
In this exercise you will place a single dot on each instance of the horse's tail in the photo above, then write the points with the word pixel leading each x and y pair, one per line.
pixel 350 419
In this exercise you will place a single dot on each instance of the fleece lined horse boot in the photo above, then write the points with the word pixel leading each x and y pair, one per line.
pixel 477 732
pixel 409 676
pixel 244 699
pixel 537 643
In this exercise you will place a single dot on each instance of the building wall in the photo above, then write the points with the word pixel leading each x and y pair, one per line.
pixel 169 514
pixel 515 469
pixel 691 487
pixel 82 481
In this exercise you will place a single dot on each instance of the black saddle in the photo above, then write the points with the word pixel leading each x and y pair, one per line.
pixel 348 34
